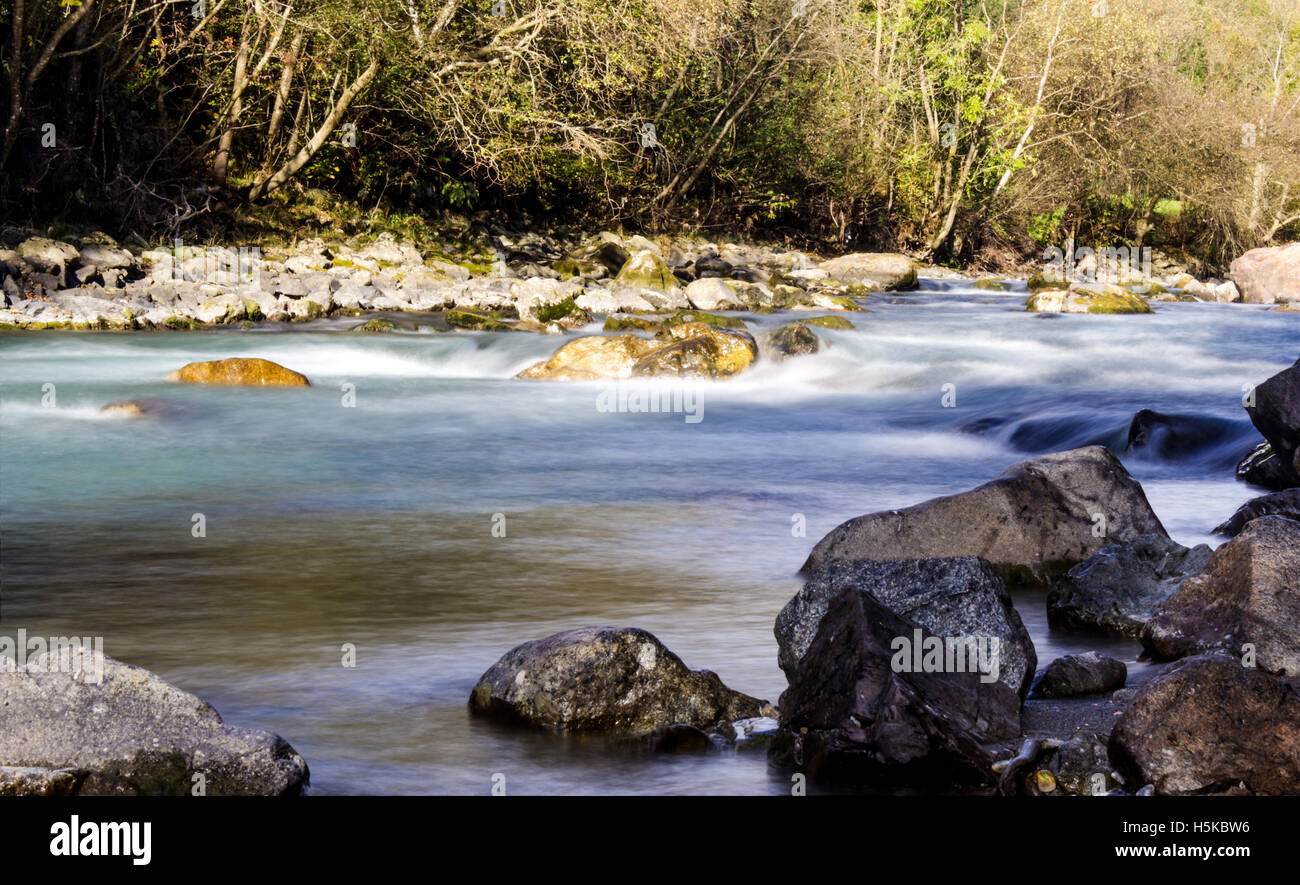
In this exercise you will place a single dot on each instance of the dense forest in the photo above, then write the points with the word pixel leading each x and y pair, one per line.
pixel 968 131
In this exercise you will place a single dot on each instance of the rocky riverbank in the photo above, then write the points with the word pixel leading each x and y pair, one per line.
pixel 525 282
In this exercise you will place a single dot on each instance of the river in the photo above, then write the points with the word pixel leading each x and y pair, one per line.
pixel 372 523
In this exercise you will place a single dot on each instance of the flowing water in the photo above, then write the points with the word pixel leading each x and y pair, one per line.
pixel 372 524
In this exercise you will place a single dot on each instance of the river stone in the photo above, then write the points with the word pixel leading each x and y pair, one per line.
pixel 1262 467
pixel 1087 298
pixel 48 255
pixel 702 348
pixel 829 322
pixel 1120 587
pixel 605 679
pixel 1276 415
pixel 849 716
pixel 1033 522
pixel 951 597
pixel 711 293
pixel 134 734
pixel 593 358
pixel 1208 726
pixel 27 781
pixel 1075 675
pixel 254 372
pixel 882 270
pixel 646 270
pixel 1248 593
pixel 1174 437
pixel 795 339
pixel 1269 275
pixel 1285 503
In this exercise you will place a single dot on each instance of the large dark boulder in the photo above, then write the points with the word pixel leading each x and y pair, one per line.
pixel 1175 437
pixel 605 679
pixel 1076 675
pixel 855 710
pixel 129 734
pixel 1285 503
pixel 1276 415
pixel 1119 588
pixel 1033 522
pixel 951 597
pixel 1208 726
pixel 1248 593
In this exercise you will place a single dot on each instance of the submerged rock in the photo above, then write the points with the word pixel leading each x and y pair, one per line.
pixel 796 339
pixel 131 734
pixel 255 372
pixel 1249 593
pixel 1173 437
pixel 1120 587
pixel 1208 726
pixel 827 322
pixel 1285 503
pixel 139 408
pixel 960 597
pixel 1075 675
pixel 605 679
pixel 1037 519
pixel 848 715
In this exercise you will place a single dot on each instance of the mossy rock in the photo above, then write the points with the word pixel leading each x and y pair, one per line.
pixel 992 285
pixel 682 317
pixel 478 322
pixel 375 324
pixel 550 313
pixel 182 323
pixel 827 322
pixel 1083 299
pixel 1038 281
pixel 646 270
pixel 631 324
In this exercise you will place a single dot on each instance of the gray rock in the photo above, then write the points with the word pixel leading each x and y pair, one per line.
pixel 1262 467
pixel 1248 593
pixel 134 734
pixel 1206 727
pixel 1285 503
pixel 878 269
pixel 605 679
pixel 1033 522
pixel 1075 675
pixel 1276 415
pixel 948 597
pixel 848 715
pixel 795 339
pixel 1119 588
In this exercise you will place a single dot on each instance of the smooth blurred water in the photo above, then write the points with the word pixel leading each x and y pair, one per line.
pixel 373 524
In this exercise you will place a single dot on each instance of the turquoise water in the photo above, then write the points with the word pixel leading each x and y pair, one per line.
pixel 373 524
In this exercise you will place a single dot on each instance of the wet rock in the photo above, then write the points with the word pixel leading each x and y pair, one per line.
pixel 1172 437
pixel 139 408
pixel 1083 674
pixel 711 266
pixel 1269 275
pixel 1087 298
pixel 1082 766
pixel 605 679
pixel 1249 593
pixel 133 734
pixel 477 322
pixel 959 597
pixel 1207 726
pixel 1119 588
pixel 849 716
pixel 1262 467
pixel 878 270
pixel 795 339
pixel 829 322
pixel 1033 522
pixel 27 781
pixel 255 372
pixel 1285 503
pixel 690 349
pixel 1276 415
